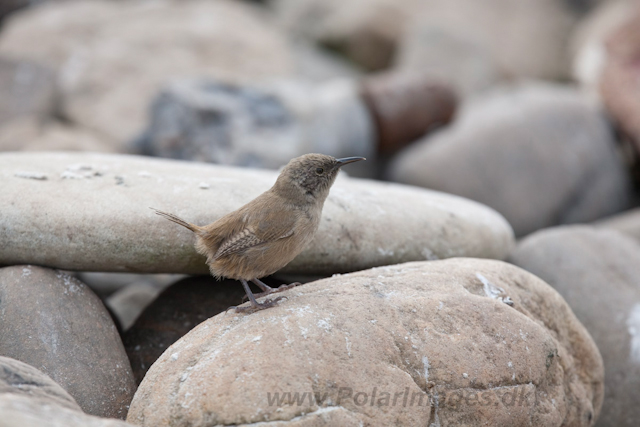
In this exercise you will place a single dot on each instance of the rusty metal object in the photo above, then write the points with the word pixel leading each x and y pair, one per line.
pixel 406 106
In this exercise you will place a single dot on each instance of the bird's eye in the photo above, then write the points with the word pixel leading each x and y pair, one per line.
pixel 319 171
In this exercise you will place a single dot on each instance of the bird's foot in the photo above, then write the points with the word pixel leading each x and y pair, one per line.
pixel 257 306
pixel 270 290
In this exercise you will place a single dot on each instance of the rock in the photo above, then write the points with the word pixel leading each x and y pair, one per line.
pixel 30 134
pixel 175 312
pixel 598 273
pixel 259 125
pixel 106 284
pixel 627 223
pixel 130 49
pixel 26 89
pixel 539 154
pixel 20 411
pixel 52 321
pixel 406 106
pixel 432 339
pixel 463 63
pixel 588 48
pixel 109 226
pixel 529 39
pixel 620 81
pixel 20 379
pixel 128 302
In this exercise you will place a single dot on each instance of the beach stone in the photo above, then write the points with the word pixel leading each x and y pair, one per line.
pixel 627 222
pixel 22 411
pixel 113 56
pixel 20 379
pixel 259 125
pixel 434 340
pixel 31 134
pixel 26 89
pixel 465 64
pixel 528 39
pixel 54 322
pixel 127 303
pixel 175 312
pixel 540 154
pixel 620 81
pixel 598 274
pixel 109 226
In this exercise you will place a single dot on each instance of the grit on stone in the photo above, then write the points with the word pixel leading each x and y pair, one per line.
pixel 52 321
pixel 453 342
pixel 598 274
pixel 91 212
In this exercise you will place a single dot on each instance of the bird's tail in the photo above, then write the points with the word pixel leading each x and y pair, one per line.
pixel 177 220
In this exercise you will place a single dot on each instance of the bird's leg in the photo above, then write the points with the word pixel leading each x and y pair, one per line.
pixel 255 305
pixel 266 289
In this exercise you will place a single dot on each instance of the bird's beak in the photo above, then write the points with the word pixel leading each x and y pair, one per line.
pixel 347 160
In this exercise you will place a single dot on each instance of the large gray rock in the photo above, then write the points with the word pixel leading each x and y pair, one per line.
pixel 539 154
pixel 527 38
pixel 54 322
pixel 598 274
pixel 21 411
pixel 17 378
pixel 91 212
pixel 113 56
pixel 259 125
pixel 626 222
pixel 449 343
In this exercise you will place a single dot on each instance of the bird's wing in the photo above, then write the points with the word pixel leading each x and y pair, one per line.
pixel 264 226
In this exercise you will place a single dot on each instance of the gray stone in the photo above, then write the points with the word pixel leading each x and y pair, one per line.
pixel 54 322
pixel 21 411
pixel 464 63
pixel 17 378
pixel 106 224
pixel 175 312
pixel 529 38
pixel 129 49
pixel 626 222
pixel 453 342
pixel 259 125
pixel 598 274
pixel 539 154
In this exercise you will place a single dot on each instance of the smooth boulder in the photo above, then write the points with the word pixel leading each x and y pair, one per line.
pixel 129 49
pixel 598 274
pixel 19 379
pixel 22 411
pixel 452 342
pixel 52 321
pixel 540 154
pixel 91 212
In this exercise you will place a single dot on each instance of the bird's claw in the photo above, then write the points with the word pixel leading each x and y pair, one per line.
pixel 253 308
pixel 273 290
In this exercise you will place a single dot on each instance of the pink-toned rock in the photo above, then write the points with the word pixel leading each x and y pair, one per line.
pixel 454 342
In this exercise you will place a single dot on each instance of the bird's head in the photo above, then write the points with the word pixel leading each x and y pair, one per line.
pixel 310 177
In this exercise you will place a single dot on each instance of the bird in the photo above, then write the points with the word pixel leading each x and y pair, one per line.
pixel 264 235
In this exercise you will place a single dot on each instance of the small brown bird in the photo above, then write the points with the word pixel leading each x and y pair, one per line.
pixel 267 233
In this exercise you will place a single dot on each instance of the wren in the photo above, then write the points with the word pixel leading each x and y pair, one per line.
pixel 267 233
